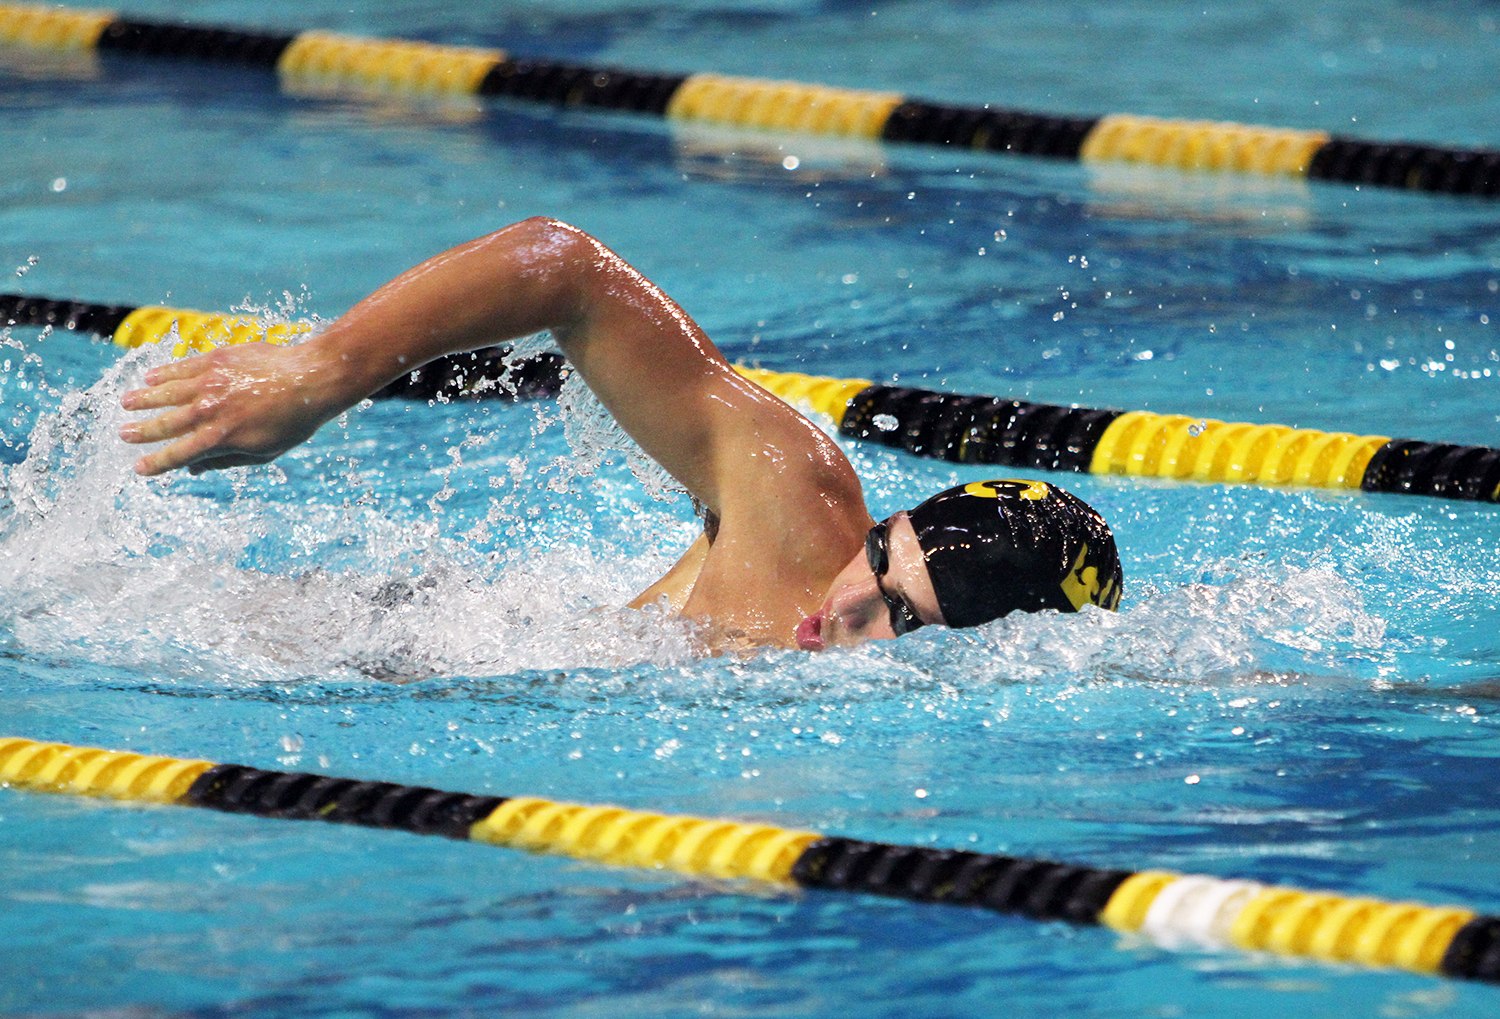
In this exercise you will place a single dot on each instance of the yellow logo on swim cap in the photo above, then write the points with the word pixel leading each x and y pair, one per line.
pixel 1081 585
pixel 1032 490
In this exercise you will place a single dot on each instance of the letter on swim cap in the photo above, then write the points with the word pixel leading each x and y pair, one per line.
pixel 1081 585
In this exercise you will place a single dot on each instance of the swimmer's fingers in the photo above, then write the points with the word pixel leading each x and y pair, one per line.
pixel 186 368
pixel 173 393
pixel 192 448
pixel 165 378
pixel 203 445
pixel 237 405
pixel 170 425
pixel 199 451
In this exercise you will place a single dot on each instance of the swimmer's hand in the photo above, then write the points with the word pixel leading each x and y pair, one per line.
pixel 231 407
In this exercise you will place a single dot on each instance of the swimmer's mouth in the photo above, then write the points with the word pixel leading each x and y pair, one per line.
pixel 810 632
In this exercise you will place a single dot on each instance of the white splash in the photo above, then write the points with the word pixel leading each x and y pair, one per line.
pixel 593 434
pixel 1256 624
pixel 100 564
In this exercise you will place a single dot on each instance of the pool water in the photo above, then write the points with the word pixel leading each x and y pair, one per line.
pixel 1301 686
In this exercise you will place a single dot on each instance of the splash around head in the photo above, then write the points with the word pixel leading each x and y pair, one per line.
pixel 968 555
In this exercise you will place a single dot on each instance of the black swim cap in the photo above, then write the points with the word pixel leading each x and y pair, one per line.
pixel 993 547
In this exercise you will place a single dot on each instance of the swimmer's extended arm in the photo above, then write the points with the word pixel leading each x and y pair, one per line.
pixel 649 363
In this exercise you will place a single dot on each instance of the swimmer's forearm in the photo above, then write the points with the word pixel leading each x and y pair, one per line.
pixel 525 279
pixel 248 404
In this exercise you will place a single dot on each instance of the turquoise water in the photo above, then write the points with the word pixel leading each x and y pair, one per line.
pixel 427 594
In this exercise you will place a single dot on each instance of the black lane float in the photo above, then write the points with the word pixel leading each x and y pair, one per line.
pixel 1173 910
pixel 321 60
pixel 941 426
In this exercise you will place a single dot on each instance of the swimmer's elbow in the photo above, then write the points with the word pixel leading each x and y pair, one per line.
pixel 548 249
pixel 551 237
pixel 538 226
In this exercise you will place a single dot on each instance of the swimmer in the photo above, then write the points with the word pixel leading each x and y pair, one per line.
pixel 790 557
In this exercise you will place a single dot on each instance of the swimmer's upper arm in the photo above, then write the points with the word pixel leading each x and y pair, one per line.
pixel 672 390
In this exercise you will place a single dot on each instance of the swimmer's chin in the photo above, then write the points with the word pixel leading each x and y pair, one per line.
pixel 810 632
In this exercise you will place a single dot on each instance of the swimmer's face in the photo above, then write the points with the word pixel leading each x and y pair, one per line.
pixel 862 605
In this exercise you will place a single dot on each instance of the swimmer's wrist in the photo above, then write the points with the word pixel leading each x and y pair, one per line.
pixel 347 371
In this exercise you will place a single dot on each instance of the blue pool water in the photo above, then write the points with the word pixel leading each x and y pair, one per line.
pixel 1301 686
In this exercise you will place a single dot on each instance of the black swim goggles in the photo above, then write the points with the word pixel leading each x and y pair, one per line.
pixel 904 618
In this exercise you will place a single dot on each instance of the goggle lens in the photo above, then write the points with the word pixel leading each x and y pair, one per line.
pixel 904 618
